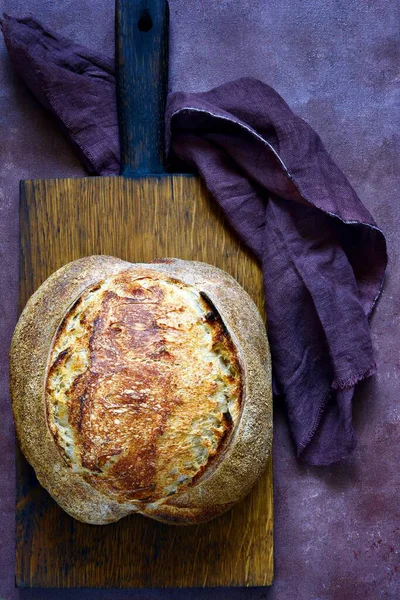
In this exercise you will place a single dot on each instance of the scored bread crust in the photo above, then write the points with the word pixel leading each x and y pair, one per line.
pixel 225 482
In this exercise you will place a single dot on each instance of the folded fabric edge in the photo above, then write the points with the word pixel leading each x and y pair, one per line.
pixel 302 445
pixel 171 116
pixel 342 384
pixel 48 102
pixel 319 459
pixel 320 462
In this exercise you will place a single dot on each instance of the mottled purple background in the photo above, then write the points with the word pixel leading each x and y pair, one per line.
pixel 337 530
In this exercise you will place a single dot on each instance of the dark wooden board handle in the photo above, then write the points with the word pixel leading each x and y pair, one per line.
pixel 142 76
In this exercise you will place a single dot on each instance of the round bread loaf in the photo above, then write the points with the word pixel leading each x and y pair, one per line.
pixel 142 388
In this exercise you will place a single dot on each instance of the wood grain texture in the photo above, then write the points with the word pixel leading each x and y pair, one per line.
pixel 142 72
pixel 137 220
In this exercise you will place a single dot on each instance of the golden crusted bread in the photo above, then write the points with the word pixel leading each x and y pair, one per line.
pixel 142 388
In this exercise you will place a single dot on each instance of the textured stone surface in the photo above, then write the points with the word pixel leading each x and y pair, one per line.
pixel 337 530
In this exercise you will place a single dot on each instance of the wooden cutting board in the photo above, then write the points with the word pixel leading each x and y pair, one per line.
pixel 138 218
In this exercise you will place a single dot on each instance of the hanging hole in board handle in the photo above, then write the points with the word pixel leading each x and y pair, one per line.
pixel 145 22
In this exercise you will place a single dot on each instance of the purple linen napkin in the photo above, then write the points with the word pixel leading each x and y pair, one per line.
pixel 75 83
pixel 322 255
